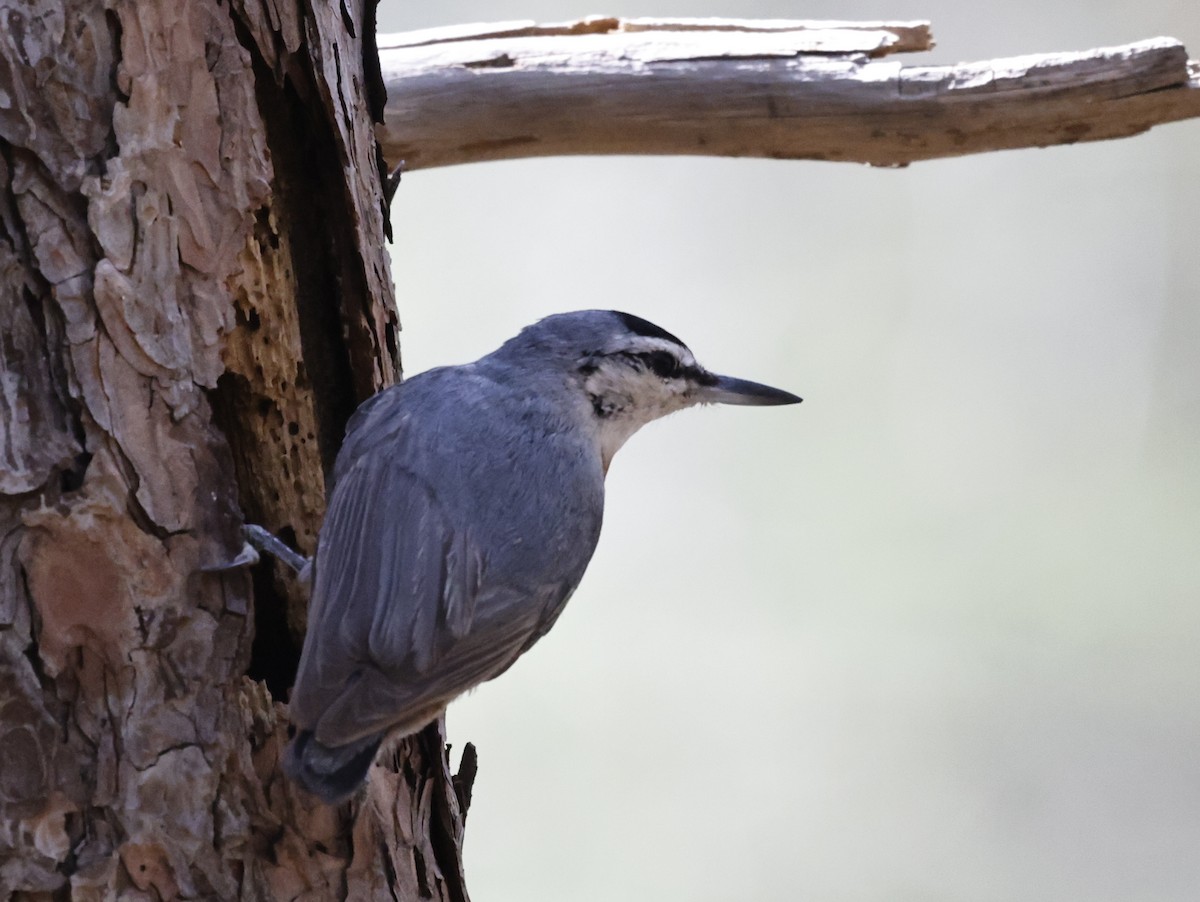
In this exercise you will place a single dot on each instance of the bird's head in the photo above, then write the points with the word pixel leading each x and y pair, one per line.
pixel 629 371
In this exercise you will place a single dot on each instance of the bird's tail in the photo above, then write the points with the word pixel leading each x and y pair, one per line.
pixel 331 773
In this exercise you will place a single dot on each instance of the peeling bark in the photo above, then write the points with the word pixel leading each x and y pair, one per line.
pixel 195 296
pixel 739 88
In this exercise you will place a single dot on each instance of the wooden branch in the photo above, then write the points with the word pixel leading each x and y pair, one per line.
pixel 777 89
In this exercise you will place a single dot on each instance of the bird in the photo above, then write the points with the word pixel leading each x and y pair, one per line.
pixel 466 503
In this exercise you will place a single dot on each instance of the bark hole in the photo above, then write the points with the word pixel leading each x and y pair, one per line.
pixel 71 478
pixel 312 223
pixel 275 652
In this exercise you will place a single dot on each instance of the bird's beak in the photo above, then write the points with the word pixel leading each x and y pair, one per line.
pixel 728 390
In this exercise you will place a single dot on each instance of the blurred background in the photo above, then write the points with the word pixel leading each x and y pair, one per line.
pixel 931 635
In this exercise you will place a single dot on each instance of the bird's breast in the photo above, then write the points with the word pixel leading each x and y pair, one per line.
pixel 535 498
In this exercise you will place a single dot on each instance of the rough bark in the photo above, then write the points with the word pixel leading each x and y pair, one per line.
pixel 194 296
pixel 777 89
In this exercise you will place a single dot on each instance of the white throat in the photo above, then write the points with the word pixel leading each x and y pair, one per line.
pixel 624 399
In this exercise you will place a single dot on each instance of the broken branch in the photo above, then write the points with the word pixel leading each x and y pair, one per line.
pixel 744 88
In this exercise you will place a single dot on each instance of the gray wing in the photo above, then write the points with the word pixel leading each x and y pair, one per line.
pixel 397 626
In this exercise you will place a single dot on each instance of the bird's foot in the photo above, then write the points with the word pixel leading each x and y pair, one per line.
pixel 259 540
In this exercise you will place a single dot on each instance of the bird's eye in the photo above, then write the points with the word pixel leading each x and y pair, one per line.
pixel 663 364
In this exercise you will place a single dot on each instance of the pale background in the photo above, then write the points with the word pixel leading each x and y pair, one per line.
pixel 933 634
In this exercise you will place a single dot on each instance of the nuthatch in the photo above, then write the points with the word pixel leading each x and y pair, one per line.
pixel 465 507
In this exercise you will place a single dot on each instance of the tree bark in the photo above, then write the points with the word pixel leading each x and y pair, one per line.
pixel 775 89
pixel 194 296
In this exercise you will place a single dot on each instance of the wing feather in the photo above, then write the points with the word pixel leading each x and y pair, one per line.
pixel 393 625
pixel 405 613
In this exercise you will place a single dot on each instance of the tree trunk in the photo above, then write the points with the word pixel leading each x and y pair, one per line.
pixel 194 296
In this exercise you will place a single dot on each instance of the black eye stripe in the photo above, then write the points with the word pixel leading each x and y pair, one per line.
pixel 662 363
pixel 666 365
